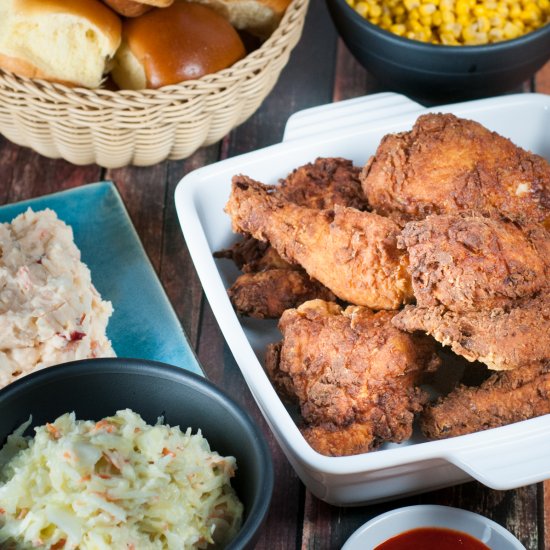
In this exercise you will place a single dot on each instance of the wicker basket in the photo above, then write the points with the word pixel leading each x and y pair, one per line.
pixel 115 129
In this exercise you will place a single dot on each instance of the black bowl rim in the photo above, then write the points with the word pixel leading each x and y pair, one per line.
pixel 156 369
pixel 493 47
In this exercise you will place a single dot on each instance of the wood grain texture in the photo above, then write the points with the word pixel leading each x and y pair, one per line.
pixel 320 70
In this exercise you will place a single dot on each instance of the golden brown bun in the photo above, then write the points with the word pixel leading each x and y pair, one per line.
pixel 135 8
pixel 70 42
pixel 182 42
pixel 259 17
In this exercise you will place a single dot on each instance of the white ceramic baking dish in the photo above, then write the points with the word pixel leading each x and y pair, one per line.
pixel 501 458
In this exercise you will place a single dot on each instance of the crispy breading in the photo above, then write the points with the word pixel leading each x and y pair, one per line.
pixel 469 262
pixel 502 338
pixel 268 287
pixel 503 398
pixel 323 184
pixel 266 294
pixel 445 164
pixel 352 253
pixel 353 374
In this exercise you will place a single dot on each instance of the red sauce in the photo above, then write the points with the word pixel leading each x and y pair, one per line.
pixel 431 538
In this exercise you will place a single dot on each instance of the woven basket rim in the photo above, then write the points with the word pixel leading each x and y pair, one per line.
pixel 205 85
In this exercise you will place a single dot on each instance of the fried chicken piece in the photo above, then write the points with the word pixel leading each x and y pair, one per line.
pixel 251 255
pixel 352 253
pixel 468 262
pixel 445 164
pixel 503 398
pixel 353 374
pixel 323 184
pixel 266 294
pixel 268 287
pixel 246 253
pixel 502 338
pixel 269 284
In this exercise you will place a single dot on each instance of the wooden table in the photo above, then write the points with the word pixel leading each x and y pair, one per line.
pixel 321 70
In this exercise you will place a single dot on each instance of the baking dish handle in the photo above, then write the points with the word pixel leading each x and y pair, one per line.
pixel 510 457
pixel 348 114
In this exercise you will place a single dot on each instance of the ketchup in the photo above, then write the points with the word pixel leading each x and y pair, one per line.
pixel 426 538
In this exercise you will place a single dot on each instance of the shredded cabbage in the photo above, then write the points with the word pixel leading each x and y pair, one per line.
pixel 117 483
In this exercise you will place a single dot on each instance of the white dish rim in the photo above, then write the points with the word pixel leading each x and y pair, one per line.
pixel 427 515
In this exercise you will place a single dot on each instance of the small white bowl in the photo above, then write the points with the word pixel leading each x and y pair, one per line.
pixel 393 523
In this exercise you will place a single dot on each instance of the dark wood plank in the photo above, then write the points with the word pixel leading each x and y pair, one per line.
pixel 306 81
pixel 25 174
pixel 178 274
pixel 542 80
pixel 351 78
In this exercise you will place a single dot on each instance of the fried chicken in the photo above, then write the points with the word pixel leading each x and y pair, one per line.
pixel 504 398
pixel 268 286
pixel 468 262
pixel 445 164
pixel 352 253
pixel 251 255
pixel 353 374
pixel 266 294
pixel 323 184
pixel 502 338
pixel 481 287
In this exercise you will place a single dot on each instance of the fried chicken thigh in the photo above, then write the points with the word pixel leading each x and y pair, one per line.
pixel 468 262
pixel 445 164
pixel 353 374
pixel 503 398
pixel 352 253
pixel 481 286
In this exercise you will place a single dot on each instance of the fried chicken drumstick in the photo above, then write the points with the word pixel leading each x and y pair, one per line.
pixel 269 284
pixel 353 374
pixel 503 398
pixel 445 164
pixel 352 253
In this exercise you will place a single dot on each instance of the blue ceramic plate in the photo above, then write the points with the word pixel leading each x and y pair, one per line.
pixel 144 324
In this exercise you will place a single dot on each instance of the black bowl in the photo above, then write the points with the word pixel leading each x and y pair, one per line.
pixel 436 72
pixel 97 388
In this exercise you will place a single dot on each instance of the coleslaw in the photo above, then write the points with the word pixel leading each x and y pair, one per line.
pixel 117 483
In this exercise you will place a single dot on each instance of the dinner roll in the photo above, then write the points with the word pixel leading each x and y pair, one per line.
pixel 134 8
pixel 60 40
pixel 166 46
pixel 258 17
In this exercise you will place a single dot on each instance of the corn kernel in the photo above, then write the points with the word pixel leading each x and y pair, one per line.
pixel 436 19
pixel 455 21
pixel 449 40
pixel 511 31
pixel 399 30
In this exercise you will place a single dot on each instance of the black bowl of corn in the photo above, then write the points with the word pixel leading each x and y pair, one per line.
pixel 446 50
